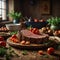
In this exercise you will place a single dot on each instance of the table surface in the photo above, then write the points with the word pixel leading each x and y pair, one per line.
pixel 33 55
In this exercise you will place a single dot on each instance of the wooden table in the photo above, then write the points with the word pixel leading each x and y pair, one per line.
pixel 33 55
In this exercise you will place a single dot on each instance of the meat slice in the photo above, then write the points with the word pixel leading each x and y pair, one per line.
pixel 33 38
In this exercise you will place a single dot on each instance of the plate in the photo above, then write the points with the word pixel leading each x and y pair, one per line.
pixel 13 27
pixel 31 46
pixel 5 35
pixel 4 30
pixel 55 38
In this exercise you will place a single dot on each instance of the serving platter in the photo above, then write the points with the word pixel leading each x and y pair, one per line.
pixel 4 30
pixel 31 46
pixel 5 35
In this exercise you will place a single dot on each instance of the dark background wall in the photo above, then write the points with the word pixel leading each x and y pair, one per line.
pixel 56 7
pixel 34 9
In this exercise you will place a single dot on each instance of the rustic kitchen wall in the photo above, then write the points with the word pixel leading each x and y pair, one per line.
pixel 56 8
pixel 32 8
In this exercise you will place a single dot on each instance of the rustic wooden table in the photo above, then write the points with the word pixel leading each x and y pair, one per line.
pixel 33 55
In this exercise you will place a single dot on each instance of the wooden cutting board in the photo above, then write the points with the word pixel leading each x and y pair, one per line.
pixel 31 46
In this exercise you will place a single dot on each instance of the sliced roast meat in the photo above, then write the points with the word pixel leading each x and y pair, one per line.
pixel 33 38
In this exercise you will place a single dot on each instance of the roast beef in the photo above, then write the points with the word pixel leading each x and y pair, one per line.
pixel 33 38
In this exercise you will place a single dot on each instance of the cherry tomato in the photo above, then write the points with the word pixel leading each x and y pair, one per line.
pixel 40 52
pixel 58 31
pixel 37 32
pixel 2 43
pixel 36 20
pixel 14 36
pixel 15 40
pixel 12 39
pixel 50 50
pixel 34 29
pixel 1 38
pixel 41 20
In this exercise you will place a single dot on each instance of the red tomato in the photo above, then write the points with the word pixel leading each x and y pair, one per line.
pixel 41 20
pixel 34 29
pixel 40 52
pixel 58 31
pixel 1 38
pixel 50 50
pixel 36 20
pixel 2 43
pixel 12 39
pixel 36 32
pixel 15 40
pixel 14 36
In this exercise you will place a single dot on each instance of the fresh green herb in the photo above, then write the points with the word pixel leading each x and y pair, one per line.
pixel 7 55
pixel 51 57
pixel 54 21
pixel 11 52
pixel 14 32
pixel 58 46
pixel 2 51
pixel 24 52
pixel 10 48
pixel 45 56
pixel 15 15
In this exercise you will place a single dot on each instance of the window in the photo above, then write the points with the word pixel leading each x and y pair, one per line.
pixel 3 9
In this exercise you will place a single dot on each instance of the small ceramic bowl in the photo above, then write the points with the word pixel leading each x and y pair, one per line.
pixel 13 27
